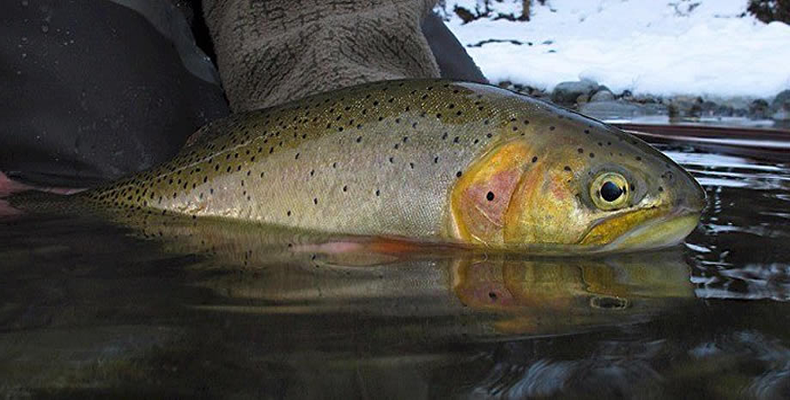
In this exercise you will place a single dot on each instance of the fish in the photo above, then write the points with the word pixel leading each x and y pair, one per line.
pixel 428 160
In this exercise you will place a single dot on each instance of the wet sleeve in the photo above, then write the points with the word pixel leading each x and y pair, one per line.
pixel 270 52
pixel 94 90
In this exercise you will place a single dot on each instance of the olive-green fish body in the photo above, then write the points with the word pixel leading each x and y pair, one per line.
pixel 426 159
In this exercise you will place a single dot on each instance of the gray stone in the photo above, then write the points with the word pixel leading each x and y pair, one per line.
pixel 759 109
pixel 724 111
pixel 709 108
pixel 646 99
pixel 602 95
pixel 781 115
pixel 685 107
pixel 782 99
pixel 567 92
pixel 783 111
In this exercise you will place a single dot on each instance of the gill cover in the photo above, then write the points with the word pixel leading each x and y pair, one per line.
pixel 480 200
pixel 509 197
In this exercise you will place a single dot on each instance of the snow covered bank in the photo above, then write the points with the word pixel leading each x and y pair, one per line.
pixel 710 48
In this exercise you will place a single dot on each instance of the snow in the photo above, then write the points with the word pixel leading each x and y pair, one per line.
pixel 659 47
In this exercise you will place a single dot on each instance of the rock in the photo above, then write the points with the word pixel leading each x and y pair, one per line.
pixel 709 108
pixel 602 95
pixel 781 115
pixel 583 98
pixel 685 107
pixel 465 15
pixel 783 112
pixel 620 109
pixel 759 109
pixel 781 100
pixel 724 111
pixel 567 92
pixel 646 99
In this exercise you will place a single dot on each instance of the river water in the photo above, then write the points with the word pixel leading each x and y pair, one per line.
pixel 92 309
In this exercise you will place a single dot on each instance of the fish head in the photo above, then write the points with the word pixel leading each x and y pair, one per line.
pixel 573 183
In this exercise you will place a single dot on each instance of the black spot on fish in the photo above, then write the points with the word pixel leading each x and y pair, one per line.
pixel 490 196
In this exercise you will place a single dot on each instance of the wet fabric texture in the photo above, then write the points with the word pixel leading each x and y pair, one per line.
pixel 451 57
pixel 97 90
pixel 274 51
pixel 93 90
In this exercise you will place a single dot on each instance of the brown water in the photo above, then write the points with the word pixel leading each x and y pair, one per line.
pixel 90 309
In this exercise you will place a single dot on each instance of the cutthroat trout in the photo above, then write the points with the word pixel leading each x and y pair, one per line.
pixel 425 159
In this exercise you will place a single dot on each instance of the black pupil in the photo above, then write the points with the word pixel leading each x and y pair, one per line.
pixel 610 192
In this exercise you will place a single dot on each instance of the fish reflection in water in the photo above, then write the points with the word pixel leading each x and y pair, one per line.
pixel 296 299
pixel 290 271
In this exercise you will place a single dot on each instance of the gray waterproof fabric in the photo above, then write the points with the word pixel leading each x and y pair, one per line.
pixel 451 57
pixel 93 90
pixel 273 51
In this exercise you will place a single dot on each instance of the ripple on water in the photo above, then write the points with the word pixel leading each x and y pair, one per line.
pixel 738 249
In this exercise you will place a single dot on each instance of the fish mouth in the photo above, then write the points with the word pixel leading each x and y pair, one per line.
pixel 659 232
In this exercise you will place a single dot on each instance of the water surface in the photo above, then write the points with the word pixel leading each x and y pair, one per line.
pixel 203 309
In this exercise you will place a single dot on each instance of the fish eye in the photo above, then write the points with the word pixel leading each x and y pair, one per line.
pixel 609 191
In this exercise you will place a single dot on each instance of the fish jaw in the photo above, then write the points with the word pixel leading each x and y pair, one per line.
pixel 660 232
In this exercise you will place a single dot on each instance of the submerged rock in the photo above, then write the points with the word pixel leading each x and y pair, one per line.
pixel 620 109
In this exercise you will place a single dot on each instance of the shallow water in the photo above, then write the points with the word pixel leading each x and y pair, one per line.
pixel 88 308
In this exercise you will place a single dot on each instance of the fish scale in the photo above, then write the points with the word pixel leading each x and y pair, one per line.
pixel 272 165
pixel 383 159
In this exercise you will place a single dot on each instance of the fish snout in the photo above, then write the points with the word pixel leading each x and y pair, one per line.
pixel 690 197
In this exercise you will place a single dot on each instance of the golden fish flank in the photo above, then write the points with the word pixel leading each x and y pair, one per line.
pixel 426 159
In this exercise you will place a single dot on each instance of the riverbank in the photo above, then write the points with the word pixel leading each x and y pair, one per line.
pixel 684 60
